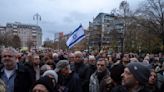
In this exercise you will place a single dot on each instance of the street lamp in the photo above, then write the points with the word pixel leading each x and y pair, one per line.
pixel 37 17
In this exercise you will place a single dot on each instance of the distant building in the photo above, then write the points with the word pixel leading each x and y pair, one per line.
pixel 2 29
pixel 28 33
pixel 58 36
pixel 106 31
pixel 60 40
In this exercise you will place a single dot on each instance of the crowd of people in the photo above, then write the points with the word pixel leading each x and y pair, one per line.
pixel 80 71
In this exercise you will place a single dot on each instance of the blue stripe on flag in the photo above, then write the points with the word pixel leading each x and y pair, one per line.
pixel 76 36
pixel 76 40
pixel 76 29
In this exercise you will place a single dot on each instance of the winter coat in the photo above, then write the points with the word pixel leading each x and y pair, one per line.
pixel 160 78
pixel 70 83
pixel 82 70
pixel 103 86
pixel 121 88
pixel 22 81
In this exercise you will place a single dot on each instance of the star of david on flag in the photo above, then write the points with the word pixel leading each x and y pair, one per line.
pixel 76 37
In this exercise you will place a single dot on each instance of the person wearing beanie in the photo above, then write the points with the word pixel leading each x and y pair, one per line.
pixel 51 74
pixel 44 68
pixel 135 77
pixel 44 84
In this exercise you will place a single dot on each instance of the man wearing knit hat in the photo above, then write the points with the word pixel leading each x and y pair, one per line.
pixel 135 77
pixel 51 74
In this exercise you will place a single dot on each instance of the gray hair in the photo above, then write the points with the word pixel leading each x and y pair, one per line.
pixel 12 50
pixel 79 53
pixel 62 64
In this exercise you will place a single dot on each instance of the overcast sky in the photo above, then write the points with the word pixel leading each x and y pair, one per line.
pixel 57 15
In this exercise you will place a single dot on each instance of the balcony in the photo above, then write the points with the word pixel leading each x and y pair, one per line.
pixel 15 33
pixel 14 30
pixel 33 28
pixel 34 34
pixel 33 31
pixel 14 26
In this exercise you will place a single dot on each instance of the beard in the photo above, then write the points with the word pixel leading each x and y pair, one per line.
pixel 100 75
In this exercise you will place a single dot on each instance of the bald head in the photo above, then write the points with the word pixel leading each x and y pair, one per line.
pixel 71 57
pixel 78 53
pixel 78 56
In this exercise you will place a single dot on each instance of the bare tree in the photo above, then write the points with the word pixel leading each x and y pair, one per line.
pixel 29 44
pixel 48 43
pixel 124 8
pixel 16 42
pixel 7 39
pixel 124 13
pixel 141 30
pixel 152 12
pixel 1 39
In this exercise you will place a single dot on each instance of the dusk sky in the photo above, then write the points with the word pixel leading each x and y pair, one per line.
pixel 57 15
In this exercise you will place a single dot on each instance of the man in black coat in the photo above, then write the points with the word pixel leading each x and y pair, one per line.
pixel 69 81
pixel 34 67
pixel 16 76
pixel 82 70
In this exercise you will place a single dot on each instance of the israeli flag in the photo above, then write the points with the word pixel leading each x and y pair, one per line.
pixel 76 37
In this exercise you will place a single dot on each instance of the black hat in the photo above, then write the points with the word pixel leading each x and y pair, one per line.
pixel 139 71
pixel 116 72
pixel 47 82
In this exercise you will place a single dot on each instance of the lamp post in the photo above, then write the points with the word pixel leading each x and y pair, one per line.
pixel 122 41
pixel 37 17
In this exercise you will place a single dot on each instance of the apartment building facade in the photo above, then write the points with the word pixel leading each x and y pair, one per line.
pixel 29 34
pixel 106 31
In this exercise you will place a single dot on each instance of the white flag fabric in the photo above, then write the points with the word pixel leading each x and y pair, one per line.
pixel 76 37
